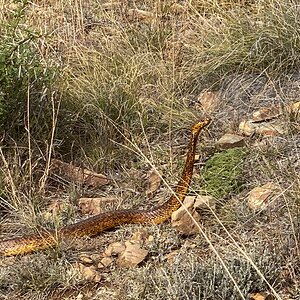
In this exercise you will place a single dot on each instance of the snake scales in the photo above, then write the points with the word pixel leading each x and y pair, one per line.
pixel 98 223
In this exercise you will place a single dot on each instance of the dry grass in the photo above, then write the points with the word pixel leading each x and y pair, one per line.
pixel 114 90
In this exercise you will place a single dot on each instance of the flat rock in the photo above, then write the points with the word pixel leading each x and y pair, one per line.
pixel 205 202
pixel 229 140
pixel 132 255
pixel 265 129
pixel 181 219
pixel 262 196
pixel 105 262
pixel 267 113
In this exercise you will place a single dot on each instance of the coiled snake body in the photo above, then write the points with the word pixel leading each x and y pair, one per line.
pixel 98 223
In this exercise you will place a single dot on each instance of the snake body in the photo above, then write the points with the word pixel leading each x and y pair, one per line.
pixel 98 223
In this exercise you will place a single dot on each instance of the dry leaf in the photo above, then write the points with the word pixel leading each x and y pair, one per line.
pixel 170 257
pixel 77 174
pixel 154 181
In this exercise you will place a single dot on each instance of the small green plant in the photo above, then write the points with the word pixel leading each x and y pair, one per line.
pixel 222 172
pixel 24 78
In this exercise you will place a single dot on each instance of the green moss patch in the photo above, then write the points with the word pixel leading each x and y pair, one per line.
pixel 222 172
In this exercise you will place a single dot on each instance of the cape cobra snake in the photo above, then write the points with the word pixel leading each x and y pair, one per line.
pixel 98 223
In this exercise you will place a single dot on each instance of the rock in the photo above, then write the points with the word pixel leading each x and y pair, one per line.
pixel 88 273
pixel 247 128
pixel 115 249
pixel 229 140
pixel 105 262
pixel 267 113
pixel 77 174
pixel 197 157
pixel 85 258
pixel 150 239
pixel 182 221
pixel 261 296
pixel 208 101
pixel 204 202
pixel 95 256
pixel 94 206
pixel 154 180
pixel 260 197
pixel 266 129
pixel 132 256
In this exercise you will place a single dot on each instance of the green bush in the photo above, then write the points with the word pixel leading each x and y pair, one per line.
pixel 24 79
pixel 221 175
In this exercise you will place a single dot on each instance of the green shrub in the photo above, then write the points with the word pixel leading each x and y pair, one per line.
pixel 24 79
pixel 221 175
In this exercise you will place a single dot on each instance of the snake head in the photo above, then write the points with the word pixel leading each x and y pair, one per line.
pixel 196 128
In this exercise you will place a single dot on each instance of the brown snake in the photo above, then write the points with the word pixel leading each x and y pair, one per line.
pixel 98 223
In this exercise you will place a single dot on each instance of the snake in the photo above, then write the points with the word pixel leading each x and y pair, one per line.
pixel 94 225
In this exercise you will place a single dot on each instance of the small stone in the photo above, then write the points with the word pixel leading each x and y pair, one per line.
pixel 197 157
pixel 229 140
pixel 85 258
pixel 261 197
pixel 150 239
pixel 267 113
pixel 115 249
pixel 265 129
pixel 105 262
pixel 205 202
pixel 95 257
pixel 132 256
pixel 88 273
pixel 261 296
pixel 247 128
